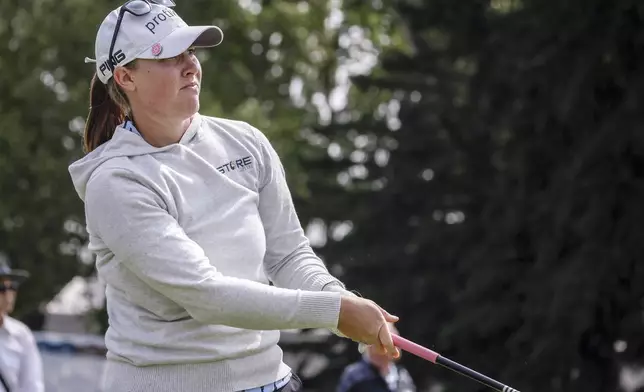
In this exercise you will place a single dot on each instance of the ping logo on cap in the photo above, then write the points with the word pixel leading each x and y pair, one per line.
pixel 109 64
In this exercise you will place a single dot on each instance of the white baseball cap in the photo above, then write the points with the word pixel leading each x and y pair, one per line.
pixel 150 31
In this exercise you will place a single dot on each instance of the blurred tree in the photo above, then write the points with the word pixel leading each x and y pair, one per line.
pixel 496 181
pixel 43 98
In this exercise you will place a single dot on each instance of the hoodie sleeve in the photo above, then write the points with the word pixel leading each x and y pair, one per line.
pixel 289 261
pixel 132 221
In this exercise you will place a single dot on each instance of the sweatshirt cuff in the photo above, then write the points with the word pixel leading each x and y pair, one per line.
pixel 321 281
pixel 338 287
pixel 320 308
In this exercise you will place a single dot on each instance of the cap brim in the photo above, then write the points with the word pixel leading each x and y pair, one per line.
pixel 16 275
pixel 182 39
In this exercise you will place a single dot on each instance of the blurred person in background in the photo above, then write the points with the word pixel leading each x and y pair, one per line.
pixel 376 373
pixel 20 362
pixel 191 219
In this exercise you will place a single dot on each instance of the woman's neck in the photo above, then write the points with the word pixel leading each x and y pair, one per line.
pixel 160 131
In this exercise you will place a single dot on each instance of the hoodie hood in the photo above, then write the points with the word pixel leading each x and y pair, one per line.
pixel 124 143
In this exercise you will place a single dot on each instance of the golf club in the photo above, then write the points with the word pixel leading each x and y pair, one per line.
pixel 436 358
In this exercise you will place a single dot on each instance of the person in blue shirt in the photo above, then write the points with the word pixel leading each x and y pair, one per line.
pixel 376 372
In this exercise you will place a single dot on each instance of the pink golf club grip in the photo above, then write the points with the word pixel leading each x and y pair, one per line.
pixel 435 358
pixel 414 348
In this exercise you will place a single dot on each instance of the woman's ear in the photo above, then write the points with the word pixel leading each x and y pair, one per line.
pixel 124 78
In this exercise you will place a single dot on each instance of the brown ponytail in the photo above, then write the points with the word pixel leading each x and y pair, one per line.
pixel 108 107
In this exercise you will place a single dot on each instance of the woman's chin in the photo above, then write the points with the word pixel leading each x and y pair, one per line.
pixel 190 105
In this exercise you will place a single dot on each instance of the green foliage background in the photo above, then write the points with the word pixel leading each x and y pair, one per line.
pixel 475 166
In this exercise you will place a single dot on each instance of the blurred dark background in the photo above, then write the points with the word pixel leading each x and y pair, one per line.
pixel 476 167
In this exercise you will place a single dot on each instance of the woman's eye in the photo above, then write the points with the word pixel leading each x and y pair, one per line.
pixel 178 58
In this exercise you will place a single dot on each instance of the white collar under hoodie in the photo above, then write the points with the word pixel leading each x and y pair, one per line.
pixel 187 237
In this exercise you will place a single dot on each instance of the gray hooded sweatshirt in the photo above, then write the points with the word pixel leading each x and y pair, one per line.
pixel 187 238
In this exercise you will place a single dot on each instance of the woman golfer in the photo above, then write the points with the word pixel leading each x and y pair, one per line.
pixel 190 217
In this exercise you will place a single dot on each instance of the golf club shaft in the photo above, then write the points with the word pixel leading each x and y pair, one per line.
pixel 434 357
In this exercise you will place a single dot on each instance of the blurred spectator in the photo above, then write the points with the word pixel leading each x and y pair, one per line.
pixel 20 361
pixel 376 373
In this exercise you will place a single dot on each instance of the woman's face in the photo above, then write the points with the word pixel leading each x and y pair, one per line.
pixel 164 88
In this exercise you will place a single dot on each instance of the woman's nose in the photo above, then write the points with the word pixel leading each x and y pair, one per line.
pixel 191 64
